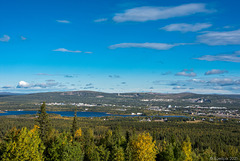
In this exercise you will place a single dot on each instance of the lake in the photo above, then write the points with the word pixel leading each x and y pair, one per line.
pixel 70 114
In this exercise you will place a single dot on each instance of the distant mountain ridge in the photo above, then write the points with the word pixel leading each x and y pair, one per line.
pixel 9 94
pixel 133 99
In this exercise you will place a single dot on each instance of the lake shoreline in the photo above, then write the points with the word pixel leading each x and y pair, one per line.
pixel 79 114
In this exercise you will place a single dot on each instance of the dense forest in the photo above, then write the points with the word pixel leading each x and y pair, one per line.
pixel 45 137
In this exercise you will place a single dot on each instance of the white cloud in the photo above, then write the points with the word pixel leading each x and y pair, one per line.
pixel 5 38
pixel 157 46
pixel 101 20
pixel 186 73
pixel 148 13
pixel 66 50
pixel 220 38
pixel 179 87
pixel 215 71
pixel 197 80
pixel 63 21
pixel 23 38
pixel 235 57
pixel 23 84
pixel 184 27
pixel 88 52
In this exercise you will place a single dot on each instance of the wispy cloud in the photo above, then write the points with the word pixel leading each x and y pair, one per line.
pixel 44 85
pixel 167 73
pixel 101 20
pixel 220 38
pixel 150 13
pixel 215 71
pixel 235 57
pixel 68 76
pixel 157 46
pixel 66 50
pixel 184 27
pixel 88 52
pixel 179 87
pixel 114 76
pixel 43 74
pixel 197 80
pixel 186 73
pixel 63 21
pixel 89 84
pixel 7 87
pixel 5 38
pixel 23 38
pixel 224 82
pixel 50 80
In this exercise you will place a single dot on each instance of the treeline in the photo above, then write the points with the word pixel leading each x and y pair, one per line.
pixel 43 142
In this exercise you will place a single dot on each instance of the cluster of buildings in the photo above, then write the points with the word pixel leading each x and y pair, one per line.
pixel 199 110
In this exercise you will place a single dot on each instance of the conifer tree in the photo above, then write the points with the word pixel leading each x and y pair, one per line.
pixel 44 124
pixel 74 124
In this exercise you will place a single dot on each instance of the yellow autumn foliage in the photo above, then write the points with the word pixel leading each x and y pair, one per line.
pixel 187 149
pixel 143 148
pixel 78 133
pixel 25 145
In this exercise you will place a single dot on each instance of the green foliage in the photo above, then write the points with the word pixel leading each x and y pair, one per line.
pixel 208 154
pixel 20 145
pixel 74 124
pixel 44 123
pixel 62 147
pixel 91 153
pixel 117 154
pixel 103 153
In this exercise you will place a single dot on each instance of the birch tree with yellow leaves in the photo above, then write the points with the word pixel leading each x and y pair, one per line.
pixel 142 148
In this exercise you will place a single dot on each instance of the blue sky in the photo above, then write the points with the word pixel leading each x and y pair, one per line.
pixel 120 46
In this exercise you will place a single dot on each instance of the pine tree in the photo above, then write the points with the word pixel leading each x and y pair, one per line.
pixel 74 124
pixel 44 124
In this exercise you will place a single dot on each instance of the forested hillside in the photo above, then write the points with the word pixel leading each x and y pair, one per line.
pixel 28 101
